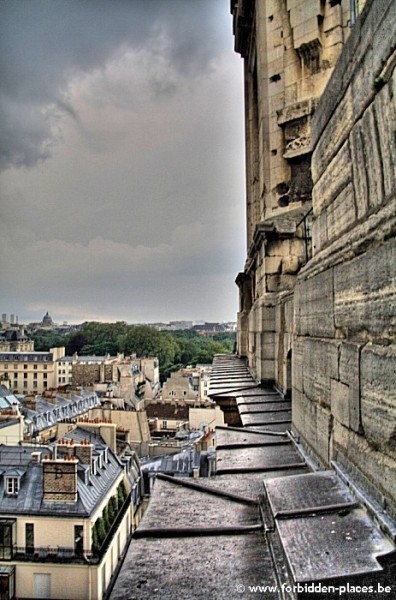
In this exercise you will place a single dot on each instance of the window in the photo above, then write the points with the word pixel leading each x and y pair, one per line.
pixel 15 375
pixel 25 375
pixel 7 583
pixel 25 367
pixel 11 486
pixel 45 367
pixel 164 425
pixel 78 540
pixel 45 375
pixel 29 538
pixel 7 535
pixel 35 385
pixel 35 367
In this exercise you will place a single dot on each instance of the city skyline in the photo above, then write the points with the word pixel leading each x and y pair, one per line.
pixel 123 161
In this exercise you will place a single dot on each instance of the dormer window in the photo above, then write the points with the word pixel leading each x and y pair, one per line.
pixel 12 486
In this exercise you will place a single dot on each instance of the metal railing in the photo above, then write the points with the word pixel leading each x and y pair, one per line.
pixel 57 554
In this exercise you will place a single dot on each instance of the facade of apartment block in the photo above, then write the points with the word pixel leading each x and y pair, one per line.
pixel 30 372
pixel 66 517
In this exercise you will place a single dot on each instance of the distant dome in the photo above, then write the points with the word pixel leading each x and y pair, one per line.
pixel 47 320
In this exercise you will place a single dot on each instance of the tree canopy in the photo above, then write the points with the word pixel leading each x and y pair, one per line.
pixel 174 349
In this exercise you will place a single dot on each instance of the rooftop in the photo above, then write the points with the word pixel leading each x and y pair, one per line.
pixel 266 518
pixel 29 499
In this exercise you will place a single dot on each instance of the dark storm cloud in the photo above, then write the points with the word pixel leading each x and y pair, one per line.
pixel 44 43
pixel 122 156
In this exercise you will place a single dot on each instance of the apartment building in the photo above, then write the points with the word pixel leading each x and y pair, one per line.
pixel 66 516
pixel 14 339
pixel 11 420
pixel 30 372
pixel 188 385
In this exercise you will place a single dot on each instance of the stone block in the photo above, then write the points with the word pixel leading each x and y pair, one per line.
pixel 378 389
pixel 280 283
pixel 273 264
pixel 290 264
pixel 302 12
pixel 332 20
pixel 376 466
pixel 372 164
pixel 384 33
pixel 349 373
pixel 337 131
pixel 289 312
pixel 305 32
pixel 267 318
pixel 385 117
pixel 266 349
pixel 297 247
pixel 319 232
pixel 340 402
pixel 278 248
pixel 334 179
pixel 341 213
pixel 292 72
pixel 365 292
pixel 323 431
pixel 297 365
pixel 304 417
pixel 359 174
pixel 314 306
pixel 363 84
pixel 266 370
pixel 320 366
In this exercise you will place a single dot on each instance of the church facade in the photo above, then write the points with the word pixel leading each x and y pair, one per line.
pixel 317 293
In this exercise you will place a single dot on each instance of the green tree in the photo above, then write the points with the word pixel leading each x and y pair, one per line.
pixel 100 530
pixel 75 343
pixel 121 493
pixel 113 509
pixel 142 340
pixel 95 539
pixel 106 520
pixel 44 340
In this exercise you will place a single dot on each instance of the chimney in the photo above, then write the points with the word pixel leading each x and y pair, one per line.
pixel 60 479
pixel 36 457
pixel 84 452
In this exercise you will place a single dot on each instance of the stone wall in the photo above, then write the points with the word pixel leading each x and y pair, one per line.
pixel 344 369
pixel 290 48
pixel 85 374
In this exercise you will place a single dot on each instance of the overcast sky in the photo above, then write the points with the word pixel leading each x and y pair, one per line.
pixel 122 160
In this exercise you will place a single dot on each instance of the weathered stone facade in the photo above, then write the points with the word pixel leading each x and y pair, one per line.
pixel 289 48
pixel 317 313
pixel 346 295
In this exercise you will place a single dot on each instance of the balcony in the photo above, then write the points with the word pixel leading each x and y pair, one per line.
pixel 52 554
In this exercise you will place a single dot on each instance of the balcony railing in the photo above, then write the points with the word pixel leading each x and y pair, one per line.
pixel 58 554
pixel 62 554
